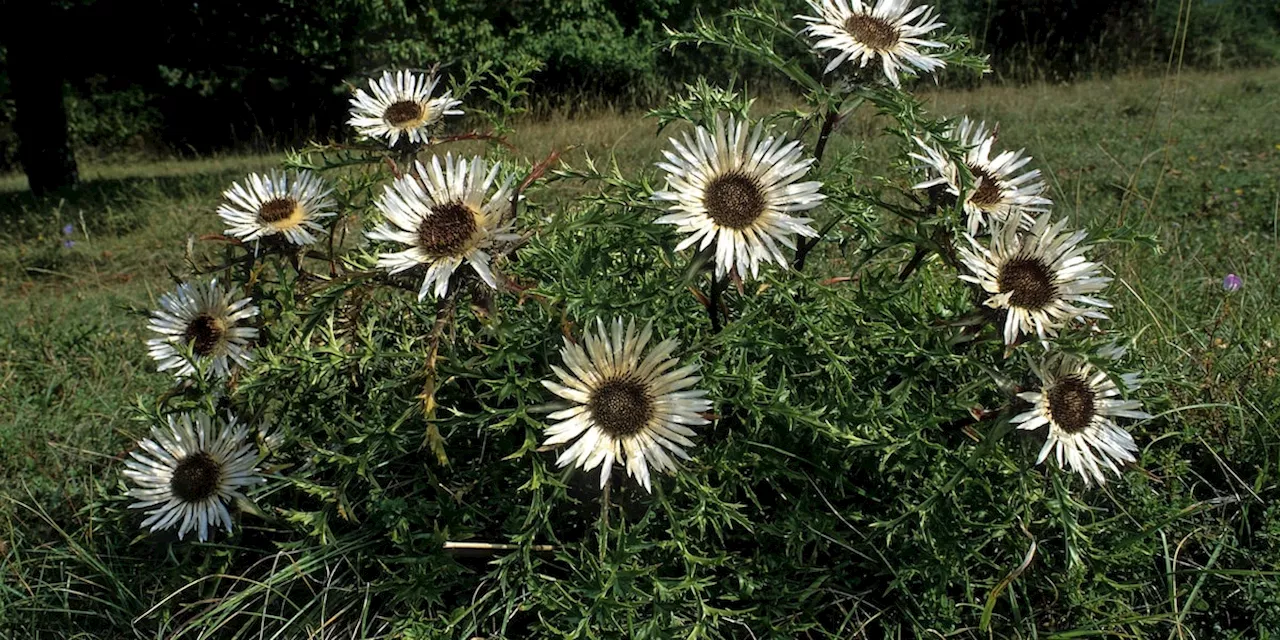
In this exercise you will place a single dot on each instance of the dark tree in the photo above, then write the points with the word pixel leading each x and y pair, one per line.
pixel 36 77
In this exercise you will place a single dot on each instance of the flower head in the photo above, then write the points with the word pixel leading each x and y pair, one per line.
pixel 186 474
pixel 401 104
pixel 288 204
pixel 1039 276
pixel 859 32
pixel 1232 283
pixel 998 192
pixel 1080 404
pixel 627 406
pixel 209 320
pixel 447 216
pixel 737 188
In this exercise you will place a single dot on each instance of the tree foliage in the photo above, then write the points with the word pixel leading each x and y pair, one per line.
pixel 211 75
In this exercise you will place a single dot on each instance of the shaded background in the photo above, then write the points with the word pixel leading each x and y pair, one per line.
pixel 184 77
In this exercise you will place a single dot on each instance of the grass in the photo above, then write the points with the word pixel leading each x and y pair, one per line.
pixel 1191 162
pixel 69 365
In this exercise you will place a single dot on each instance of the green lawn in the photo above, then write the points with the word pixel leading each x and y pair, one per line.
pixel 1192 162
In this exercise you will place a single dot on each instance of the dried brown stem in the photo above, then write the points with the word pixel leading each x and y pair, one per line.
pixel 433 438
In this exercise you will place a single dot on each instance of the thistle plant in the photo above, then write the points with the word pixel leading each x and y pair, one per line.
pixel 808 362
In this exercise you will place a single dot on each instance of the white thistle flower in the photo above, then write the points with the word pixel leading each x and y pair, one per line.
pixel 209 320
pixel 737 188
pixel 1080 404
pixel 998 191
pixel 1037 275
pixel 187 473
pixel 627 407
pixel 401 105
pixel 288 204
pixel 446 216
pixel 859 32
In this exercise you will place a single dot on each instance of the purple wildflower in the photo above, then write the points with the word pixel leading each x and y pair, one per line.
pixel 1232 283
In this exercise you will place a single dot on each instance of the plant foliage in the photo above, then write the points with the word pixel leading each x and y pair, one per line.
pixel 861 476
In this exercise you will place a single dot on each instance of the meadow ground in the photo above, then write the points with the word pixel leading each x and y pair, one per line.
pixel 1192 162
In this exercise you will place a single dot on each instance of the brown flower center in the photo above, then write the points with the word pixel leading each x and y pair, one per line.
pixel 622 407
pixel 872 32
pixel 196 477
pixel 205 333
pixel 1071 404
pixel 1028 281
pixel 277 209
pixel 402 112
pixel 987 194
pixel 447 230
pixel 734 200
